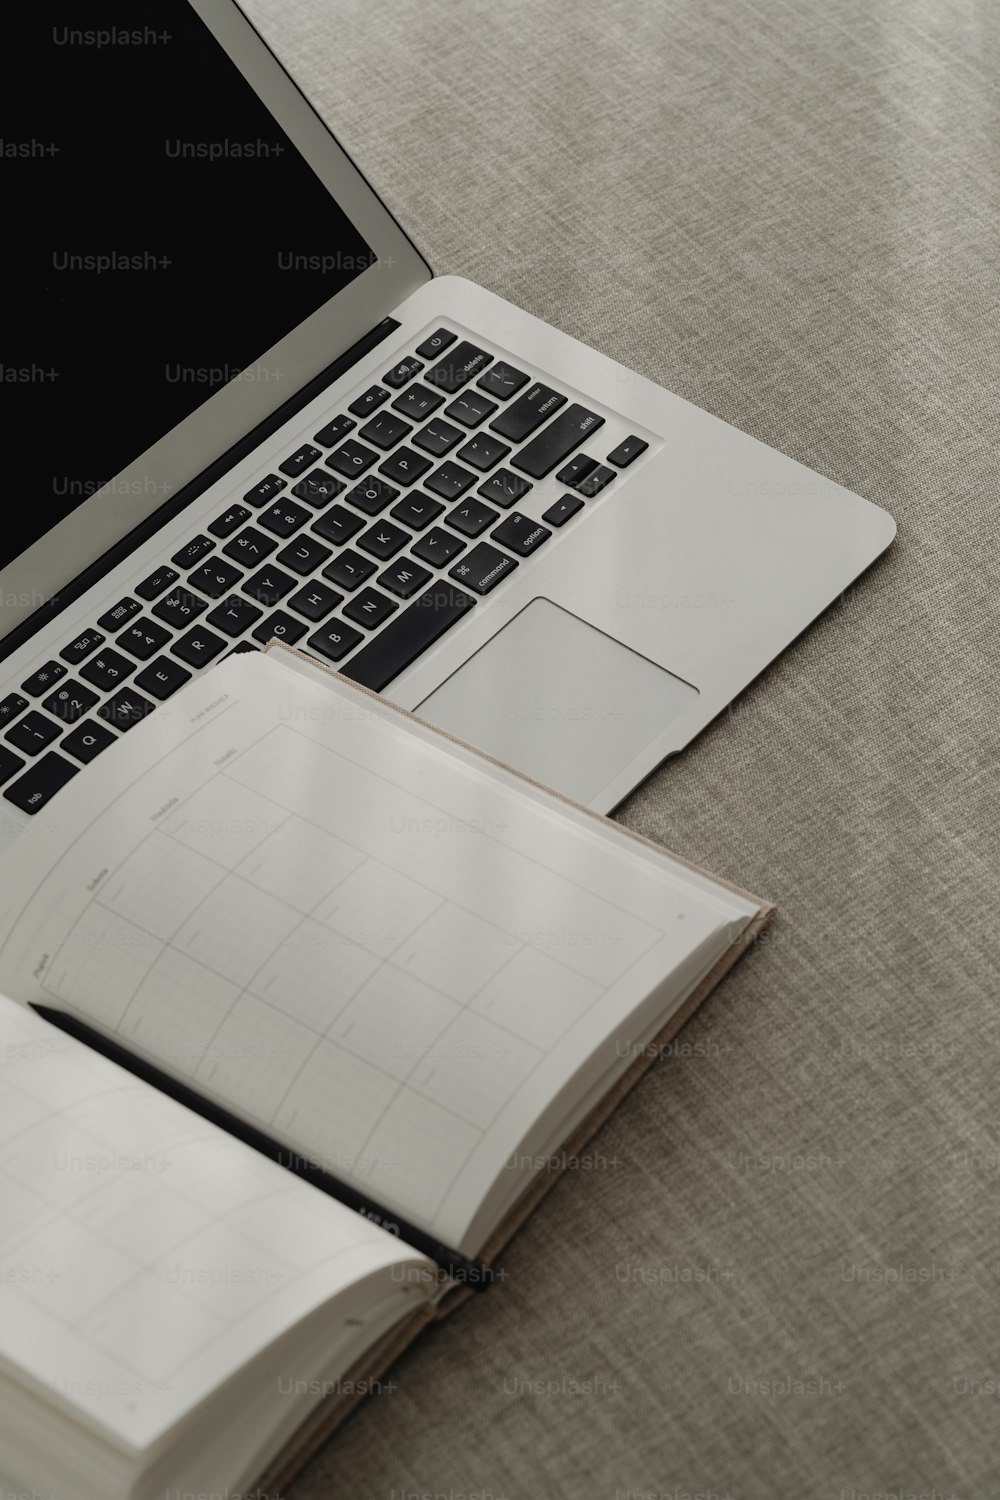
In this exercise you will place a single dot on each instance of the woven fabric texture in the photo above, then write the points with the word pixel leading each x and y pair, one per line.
pixel 777 1274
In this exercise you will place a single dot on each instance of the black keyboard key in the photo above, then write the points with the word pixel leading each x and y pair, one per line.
pixel 596 481
pixel 107 670
pixel 33 733
pixel 44 679
pixel 334 641
pixel 9 763
pixel 578 468
pixel 503 488
pixel 401 373
pixel 303 556
pixel 269 584
pixel 334 432
pixel 349 569
pixel 163 677
pixel 240 649
pixel 280 627
pixel 197 648
pixel 215 578
pixel 82 647
pixel 483 451
pixel 462 363
pixel 471 517
pixel 70 701
pixel 417 403
pixel 630 449
pixel 556 441
pixel 31 791
pixel 315 601
pixel 337 525
pixel 385 430
pixel 520 534
pixel 438 437
pixel 179 608
pixel 372 496
pixel 403 578
pixel 143 638
pixel 193 552
pixel 470 409
pixel 11 706
pixel 157 583
pixel 87 740
pixel 369 608
pixel 529 411
pixel 318 488
pixel 283 518
pixel 265 491
pixel 300 460
pixel 404 466
pixel 369 401
pixel 120 614
pixel 562 510
pixel 383 541
pixel 483 568
pixel 250 547
pixel 125 709
pixel 231 520
pixel 414 628
pixel 234 615
pixel 352 458
pixel 450 481
pixel 438 547
pixel 435 343
pixel 417 510
pixel 503 381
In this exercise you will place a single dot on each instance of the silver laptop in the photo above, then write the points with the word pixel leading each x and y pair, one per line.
pixel 242 408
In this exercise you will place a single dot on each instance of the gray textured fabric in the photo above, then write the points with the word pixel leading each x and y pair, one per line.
pixel 781 1279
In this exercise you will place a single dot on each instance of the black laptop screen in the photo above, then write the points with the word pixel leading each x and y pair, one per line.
pixel 161 233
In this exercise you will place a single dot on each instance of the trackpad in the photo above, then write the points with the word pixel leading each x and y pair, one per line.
pixel 558 699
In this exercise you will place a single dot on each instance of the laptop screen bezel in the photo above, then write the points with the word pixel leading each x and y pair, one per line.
pixel 133 495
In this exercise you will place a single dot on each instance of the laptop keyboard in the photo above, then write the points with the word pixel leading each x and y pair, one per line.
pixel 362 548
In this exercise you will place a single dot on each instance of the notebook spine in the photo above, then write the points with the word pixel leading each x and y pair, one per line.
pixel 458 1268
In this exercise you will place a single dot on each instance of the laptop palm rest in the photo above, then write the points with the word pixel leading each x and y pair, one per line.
pixel 559 700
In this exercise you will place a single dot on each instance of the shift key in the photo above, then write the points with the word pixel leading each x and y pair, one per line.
pixel 572 427
pixel 529 411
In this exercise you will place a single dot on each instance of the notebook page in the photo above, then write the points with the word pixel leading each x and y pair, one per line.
pixel 145 1255
pixel 369 941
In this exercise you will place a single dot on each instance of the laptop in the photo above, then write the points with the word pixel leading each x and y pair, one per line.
pixel 251 412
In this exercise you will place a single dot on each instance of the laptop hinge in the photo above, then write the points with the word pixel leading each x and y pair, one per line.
pixel 196 487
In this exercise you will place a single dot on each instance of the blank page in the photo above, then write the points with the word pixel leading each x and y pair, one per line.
pixel 371 941
pixel 146 1255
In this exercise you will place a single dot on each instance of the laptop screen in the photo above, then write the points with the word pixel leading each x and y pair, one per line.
pixel 162 234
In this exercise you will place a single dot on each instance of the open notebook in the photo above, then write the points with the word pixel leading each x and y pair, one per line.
pixel 340 990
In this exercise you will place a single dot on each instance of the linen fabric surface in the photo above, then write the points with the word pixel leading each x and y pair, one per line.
pixel 777 1274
